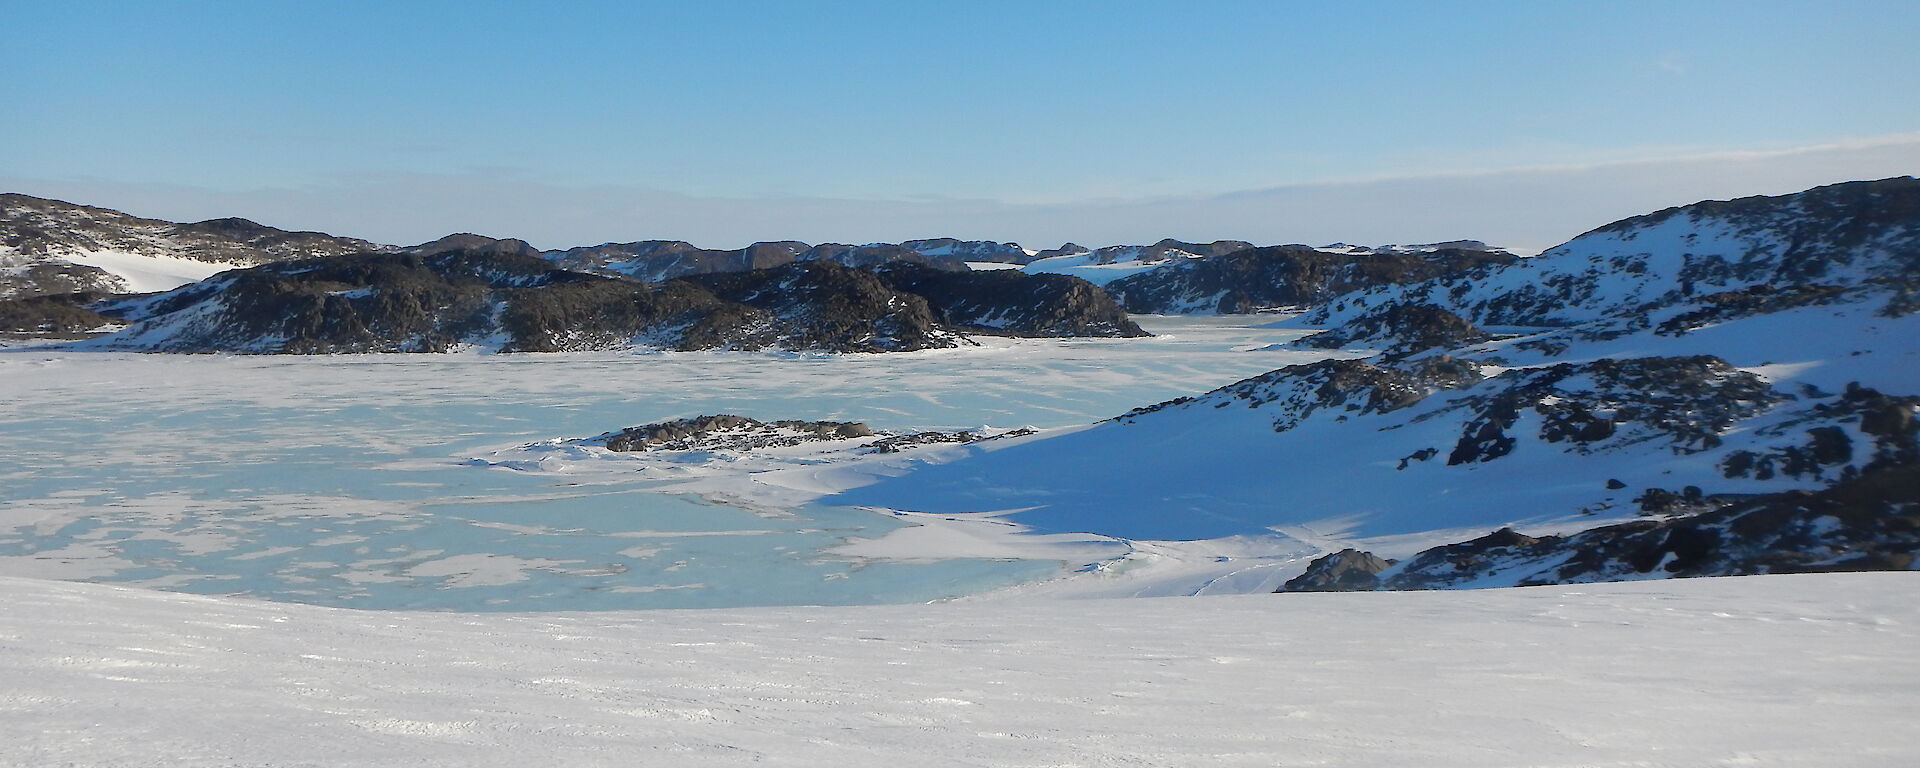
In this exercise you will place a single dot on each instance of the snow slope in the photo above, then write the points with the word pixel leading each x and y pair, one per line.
pixel 1220 465
pixel 145 273
pixel 1776 670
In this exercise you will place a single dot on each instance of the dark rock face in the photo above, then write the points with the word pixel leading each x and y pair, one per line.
pixel 1284 276
pixel 1349 570
pixel 52 314
pixel 1009 302
pixel 726 431
pixel 1403 329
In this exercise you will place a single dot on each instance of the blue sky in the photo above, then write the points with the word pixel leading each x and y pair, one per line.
pixel 727 122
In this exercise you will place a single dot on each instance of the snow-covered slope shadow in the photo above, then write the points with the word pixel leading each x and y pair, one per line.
pixel 1753 346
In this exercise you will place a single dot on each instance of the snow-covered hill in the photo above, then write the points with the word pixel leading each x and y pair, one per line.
pixel 1842 235
pixel 1667 395
pixel 1777 670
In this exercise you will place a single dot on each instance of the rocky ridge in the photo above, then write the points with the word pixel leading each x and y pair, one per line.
pixel 1254 279
pixel 38 237
pixel 1855 234
pixel 500 298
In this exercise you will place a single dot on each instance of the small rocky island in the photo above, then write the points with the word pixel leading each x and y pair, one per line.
pixel 727 432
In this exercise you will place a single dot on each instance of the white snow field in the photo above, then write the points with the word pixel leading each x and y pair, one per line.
pixel 340 480
pixel 148 273
pixel 1812 670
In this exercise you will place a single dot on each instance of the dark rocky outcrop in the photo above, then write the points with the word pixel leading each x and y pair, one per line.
pixel 1284 276
pixel 898 443
pixel 361 303
pixel 823 305
pixel 1867 523
pixel 1685 403
pixel 1349 570
pixel 739 433
pixel 1401 330
pixel 1861 429
pixel 63 314
pixel 1009 302
pixel 726 431
pixel 28 277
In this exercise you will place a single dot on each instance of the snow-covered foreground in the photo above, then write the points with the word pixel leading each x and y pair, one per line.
pixel 1811 670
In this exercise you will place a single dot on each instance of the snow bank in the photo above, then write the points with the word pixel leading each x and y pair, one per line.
pixel 1776 670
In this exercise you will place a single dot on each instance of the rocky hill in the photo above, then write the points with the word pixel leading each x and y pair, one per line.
pixel 1863 233
pixel 1727 387
pixel 1010 303
pixel 492 297
pixel 50 246
pixel 1253 279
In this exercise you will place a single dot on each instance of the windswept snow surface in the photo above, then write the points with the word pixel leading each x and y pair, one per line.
pixel 1810 670
pixel 340 480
